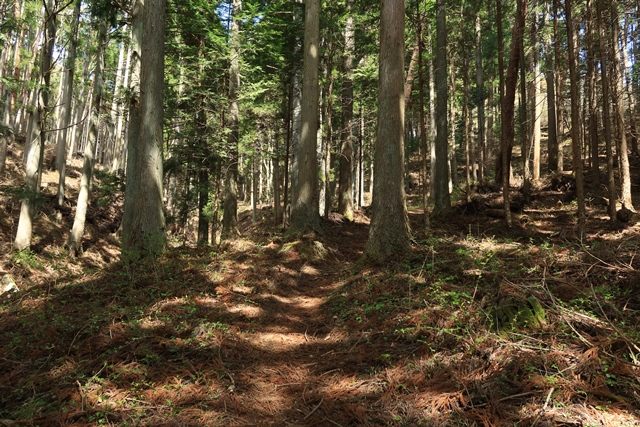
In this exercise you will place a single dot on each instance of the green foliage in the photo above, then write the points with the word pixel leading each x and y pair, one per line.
pixel 5 131
pixel 108 187
pixel 26 259
pixel 513 313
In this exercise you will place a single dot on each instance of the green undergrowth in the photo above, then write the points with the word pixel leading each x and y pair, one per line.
pixel 468 297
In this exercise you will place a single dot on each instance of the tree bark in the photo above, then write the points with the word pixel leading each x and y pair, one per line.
pixel 411 75
pixel 591 89
pixel 552 116
pixel 452 157
pixel 61 148
pixel 508 103
pixel 203 201
pixel 36 146
pixel 345 199
pixel 423 120
pixel 230 214
pixel 75 237
pixel 277 211
pixel 616 85
pixel 466 124
pixel 203 178
pixel 441 197
pixel 255 179
pixel 576 137
pixel 501 78
pixel 328 137
pixel 535 101
pixel 121 118
pixel 389 233
pixel 606 114
pixel 304 212
pixel 3 152
pixel 288 122
pixel 524 120
pixel 558 75
pixel 480 95
pixel 111 142
pixel 143 221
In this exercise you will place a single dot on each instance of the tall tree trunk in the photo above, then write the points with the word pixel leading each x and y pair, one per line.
pixel 121 116
pixel 535 101
pixel 441 195
pixel 451 130
pixel 633 83
pixel 389 232
pixel 4 143
pixel 606 113
pixel 143 220
pixel 508 103
pixel 203 201
pixel 524 127
pixel 423 120
pixel 40 117
pixel 255 179
pixel 75 237
pixel 296 137
pixel 591 89
pixel 203 174
pixel 501 82
pixel 490 145
pixel 552 112
pixel 616 85
pixel 466 125
pixel 277 211
pixel 345 199
pixel 61 147
pixel 576 137
pixel 288 122
pixel 304 212
pixel 19 9
pixel 30 75
pixel 625 81
pixel 322 141
pixel 411 74
pixel 480 95
pixel 559 86
pixel 361 142
pixel 111 142
pixel 230 214
pixel 328 137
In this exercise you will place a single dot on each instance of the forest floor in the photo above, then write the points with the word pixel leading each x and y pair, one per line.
pixel 480 326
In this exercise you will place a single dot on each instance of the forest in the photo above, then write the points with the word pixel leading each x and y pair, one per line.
pixel 322 213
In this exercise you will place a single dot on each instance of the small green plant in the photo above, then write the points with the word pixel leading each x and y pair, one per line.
pixel 26 258
pixel 606 292
pixel 488 261
pixel 151 359
pixel 208 330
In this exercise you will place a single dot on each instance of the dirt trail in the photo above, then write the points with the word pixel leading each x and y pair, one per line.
pixel 289 362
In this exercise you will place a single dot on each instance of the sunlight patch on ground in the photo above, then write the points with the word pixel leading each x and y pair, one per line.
pixel 275 341
pixel 310 270
pixel 242 245
pixel 300 302
pixel 490 245
pixel 249 311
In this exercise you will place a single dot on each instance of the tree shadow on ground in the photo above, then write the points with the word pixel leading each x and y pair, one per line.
pixel 259 334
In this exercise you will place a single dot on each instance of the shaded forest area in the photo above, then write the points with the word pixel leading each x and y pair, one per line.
pixel 345 212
